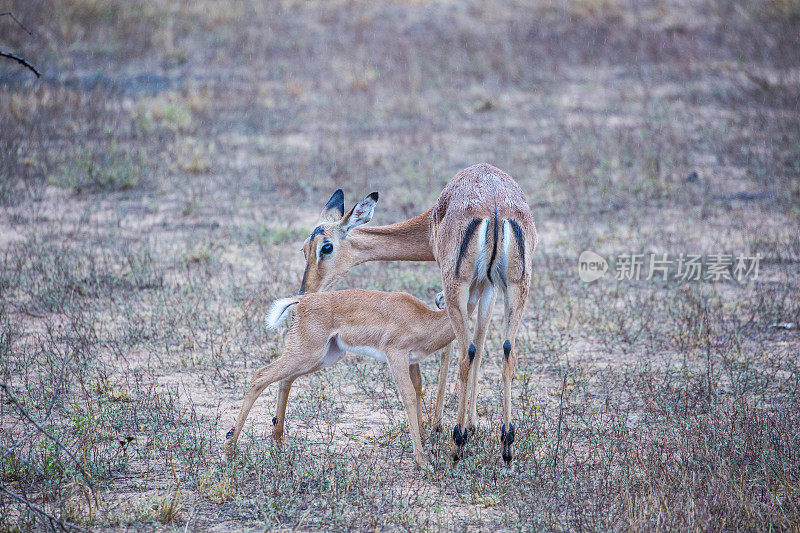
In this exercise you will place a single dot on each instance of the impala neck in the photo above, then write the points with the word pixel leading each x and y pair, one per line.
pixel 404 241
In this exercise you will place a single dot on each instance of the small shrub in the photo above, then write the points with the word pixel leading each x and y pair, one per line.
pixel 91 171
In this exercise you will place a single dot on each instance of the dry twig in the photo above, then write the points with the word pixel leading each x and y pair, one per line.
pixel 21 60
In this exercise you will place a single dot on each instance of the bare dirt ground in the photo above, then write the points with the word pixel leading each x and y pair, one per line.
pixel 157 182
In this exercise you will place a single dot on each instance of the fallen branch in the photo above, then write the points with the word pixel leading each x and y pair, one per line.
pixel 21 60
pixel 56 392
pixel 15 19
pixel 39 427
pixel 46 433
pixel 52 520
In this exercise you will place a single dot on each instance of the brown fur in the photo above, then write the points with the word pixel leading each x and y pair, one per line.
pixel 397 324
pixel 481 191
pixel 472 193
pixel 486 192
pixel 365 244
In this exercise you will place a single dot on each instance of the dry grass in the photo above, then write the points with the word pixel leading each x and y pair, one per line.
pixel 156 184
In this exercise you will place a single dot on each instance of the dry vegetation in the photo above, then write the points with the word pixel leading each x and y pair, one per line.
pixel 156 184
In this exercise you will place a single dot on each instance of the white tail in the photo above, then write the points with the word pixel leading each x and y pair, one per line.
pixel 280 310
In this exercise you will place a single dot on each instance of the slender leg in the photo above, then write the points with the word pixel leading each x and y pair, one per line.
pixel 280 412
pixel 398 364
pixel 515 298
pixel 287 366
pixel 457 310
pixel 479 341
pixel 444 364
pixel 416 380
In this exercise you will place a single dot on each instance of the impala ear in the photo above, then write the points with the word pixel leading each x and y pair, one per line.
pixel 360 214
pixel 334 209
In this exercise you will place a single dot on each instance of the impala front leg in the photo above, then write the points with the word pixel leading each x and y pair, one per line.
pixel 399 367
pixel 444 365
pixel 416 379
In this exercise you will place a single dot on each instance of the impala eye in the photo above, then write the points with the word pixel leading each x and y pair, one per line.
pixel 326 248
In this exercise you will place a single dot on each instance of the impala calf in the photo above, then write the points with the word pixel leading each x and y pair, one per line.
pixel 393 327
pixel 339 241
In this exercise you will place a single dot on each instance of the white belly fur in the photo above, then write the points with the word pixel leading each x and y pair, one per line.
pixel 370 351
pixel 363 350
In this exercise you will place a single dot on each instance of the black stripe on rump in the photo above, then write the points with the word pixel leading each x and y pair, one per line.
pixel 473 225
pixel 520 238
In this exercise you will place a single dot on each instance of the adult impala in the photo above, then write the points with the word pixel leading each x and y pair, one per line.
pixel 482 235
pixel 390 326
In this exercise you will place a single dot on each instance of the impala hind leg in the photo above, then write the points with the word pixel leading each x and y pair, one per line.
pixel 457 310
pixel 514 306
pixel 441 391
pixel 485 306
pixel 399 367
pixel 280 411
pixel 282 368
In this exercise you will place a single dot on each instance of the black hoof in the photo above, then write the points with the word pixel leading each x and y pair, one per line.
pixel 507 457
pixel 437 428
pixel 507 437
pixel 459 437
pixel 229 434
pixel 274 420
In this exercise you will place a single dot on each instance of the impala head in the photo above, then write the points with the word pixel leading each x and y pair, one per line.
pixel 329 254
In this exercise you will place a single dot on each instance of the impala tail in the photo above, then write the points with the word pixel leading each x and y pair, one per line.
pixel 280 310
pixel 512 241
pixel 498 239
